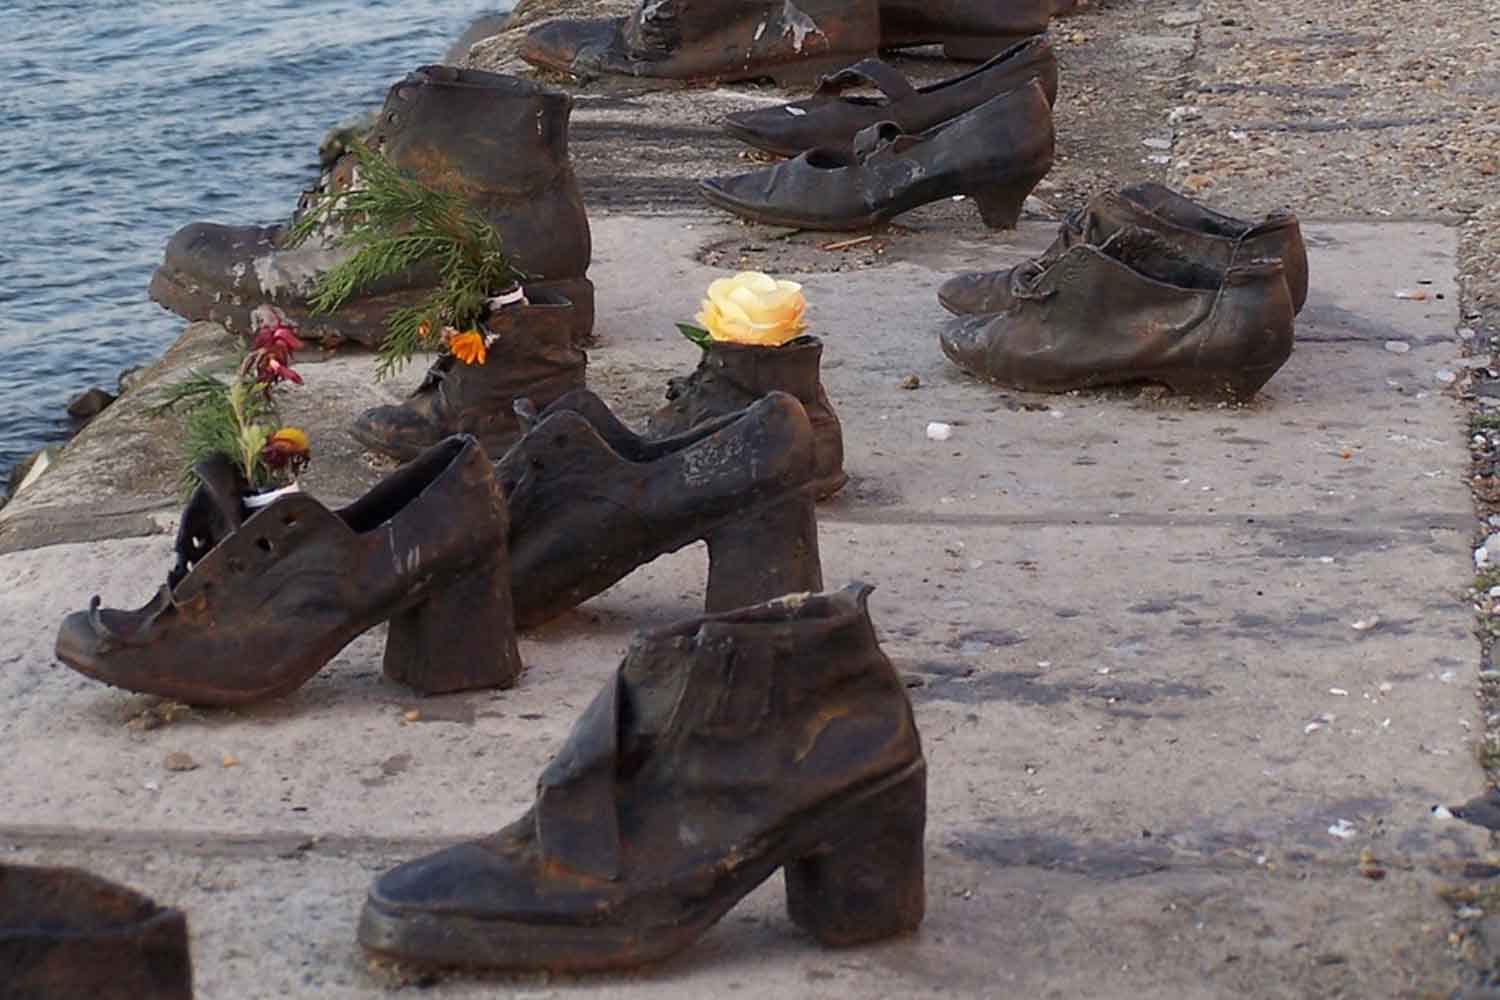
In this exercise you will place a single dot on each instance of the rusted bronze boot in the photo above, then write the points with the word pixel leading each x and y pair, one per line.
pixel 585 513
pixel 532 356
pixel 704 41
pixel 730 377
pixel 1131 309
pixel 966 29
pixel 500 141
pixel 1214 240
pixel 726 747
pixel 65 933
pixel 260 601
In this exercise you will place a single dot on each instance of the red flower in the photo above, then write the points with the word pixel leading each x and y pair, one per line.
pixel 270 356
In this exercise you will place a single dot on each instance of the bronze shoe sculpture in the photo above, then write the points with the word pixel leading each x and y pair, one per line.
pixel 966 29
pixel 65 933
pixel 830 119
pixel 1131 309
pixel 995 154
pixel 731 376
pixel 532 356
pixel 1217 241
pixel 258 604
pixel 724 748
pixel 706 41
pixel 500 140
pixel 589 503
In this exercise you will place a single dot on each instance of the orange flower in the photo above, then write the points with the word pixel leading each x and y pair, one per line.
pixel 424 329
pixel 288 448
pixel 468 347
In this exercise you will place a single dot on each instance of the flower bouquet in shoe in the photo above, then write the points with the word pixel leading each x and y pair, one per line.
pixel 270 584
pixel 496 340
pixel 231 431
pixel 752 331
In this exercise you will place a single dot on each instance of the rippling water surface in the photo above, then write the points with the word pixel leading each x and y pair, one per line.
pixel 121 121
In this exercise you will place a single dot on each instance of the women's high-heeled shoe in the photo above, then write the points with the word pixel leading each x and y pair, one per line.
pixel 258 604
pixel 829 119
pixel 724 748
pixel 65 933
pixel 995 154
pixel 589 504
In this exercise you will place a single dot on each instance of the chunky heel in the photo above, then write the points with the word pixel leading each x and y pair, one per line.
pixel 458 638
pixel 872 884
pixel 1000 207
pixel 764 554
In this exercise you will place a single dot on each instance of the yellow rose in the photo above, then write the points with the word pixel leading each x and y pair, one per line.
pixel 753 308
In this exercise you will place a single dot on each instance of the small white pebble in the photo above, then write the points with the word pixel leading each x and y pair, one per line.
pixel 1397 346
pixel 1339 691
pixel 937 431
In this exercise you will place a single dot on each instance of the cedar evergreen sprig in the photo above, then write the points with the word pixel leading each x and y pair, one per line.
pixel 225 417
pixel 394 222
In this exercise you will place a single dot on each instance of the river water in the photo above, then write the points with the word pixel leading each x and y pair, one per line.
pixel 122 120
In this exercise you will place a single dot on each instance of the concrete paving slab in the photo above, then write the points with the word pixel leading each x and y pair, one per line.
pixel 1145 703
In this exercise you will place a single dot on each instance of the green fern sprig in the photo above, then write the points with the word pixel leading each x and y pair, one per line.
pixel 393 223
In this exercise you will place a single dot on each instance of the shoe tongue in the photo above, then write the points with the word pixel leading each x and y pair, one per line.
pixel 215 511
pixel 1158 258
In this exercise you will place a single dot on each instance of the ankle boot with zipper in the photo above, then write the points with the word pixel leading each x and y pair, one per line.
pixel 995 154
pixel 730 377
pixel 65 933
pixel 259 602
pixel 532 356
pixel 724 748
pixel 966 29
pixel 589 505
pixel 1131 309
pixel 500 140
pixel 1217 241
pixel 703 41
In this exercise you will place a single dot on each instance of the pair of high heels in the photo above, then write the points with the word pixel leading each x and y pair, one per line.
pixel 456 554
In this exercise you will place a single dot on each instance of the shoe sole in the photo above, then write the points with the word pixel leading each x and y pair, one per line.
pixel 426 940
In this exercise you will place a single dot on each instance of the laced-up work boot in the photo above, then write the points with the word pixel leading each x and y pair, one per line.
pixel 1131 309
pixel 500 140
pixel 730 377
pixel 966 29
pixel 531 355
pixel 67 933
pixel 712 40
pixel 724 748
pixel 588 504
